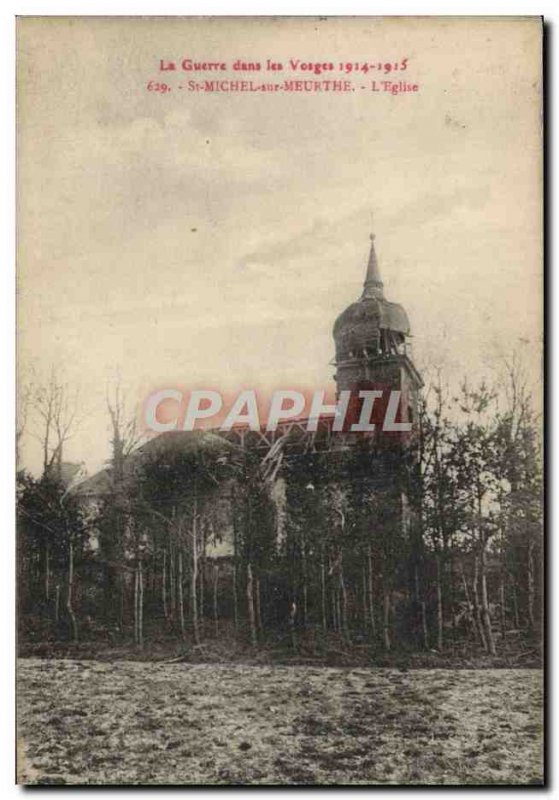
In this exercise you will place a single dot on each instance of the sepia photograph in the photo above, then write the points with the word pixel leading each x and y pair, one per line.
pixel 280 361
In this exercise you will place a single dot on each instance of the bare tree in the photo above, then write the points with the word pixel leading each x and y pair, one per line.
pixel 25 397
pixel 55 405
pixel 124 429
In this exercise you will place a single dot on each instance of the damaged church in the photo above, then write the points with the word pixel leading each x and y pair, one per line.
pixel 206 531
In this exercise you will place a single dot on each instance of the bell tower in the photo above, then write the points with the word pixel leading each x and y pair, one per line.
pixel 372 344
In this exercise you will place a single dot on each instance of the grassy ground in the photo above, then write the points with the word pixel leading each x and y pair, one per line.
pixel 87 722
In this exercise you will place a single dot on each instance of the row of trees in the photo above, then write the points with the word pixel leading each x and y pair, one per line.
pixel 423 547
pixel 481 496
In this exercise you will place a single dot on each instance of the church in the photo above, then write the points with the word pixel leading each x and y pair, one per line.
pixel 321 521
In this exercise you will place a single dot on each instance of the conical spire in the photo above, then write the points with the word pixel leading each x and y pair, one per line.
pixel 373 283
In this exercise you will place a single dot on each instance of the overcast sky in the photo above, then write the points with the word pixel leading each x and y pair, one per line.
pixel 201 239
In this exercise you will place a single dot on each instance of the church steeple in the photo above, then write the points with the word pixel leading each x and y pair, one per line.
pixel 370 332
pixel 373 286
pixel 371 341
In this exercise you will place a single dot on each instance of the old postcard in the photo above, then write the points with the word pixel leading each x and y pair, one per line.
pixel 279 445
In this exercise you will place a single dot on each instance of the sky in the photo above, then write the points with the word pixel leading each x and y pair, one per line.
pixel 210 240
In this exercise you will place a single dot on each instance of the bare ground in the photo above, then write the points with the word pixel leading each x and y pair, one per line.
pixel 87 722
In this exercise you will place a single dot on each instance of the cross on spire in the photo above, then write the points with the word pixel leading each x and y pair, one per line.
pixel 373 286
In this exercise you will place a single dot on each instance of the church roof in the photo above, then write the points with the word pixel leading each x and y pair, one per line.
pixel 383 313
pixel 372 308
pixel 99 484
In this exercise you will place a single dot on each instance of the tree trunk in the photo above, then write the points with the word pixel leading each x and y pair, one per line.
pixel 343 593
pixel 57 604
pixel 250 606
pixel 172 579
pixel 258 606
pixel 339 620
pixel 531 586
pixel 477 607
pixel 122 599
pixel 292 615
pixel 364 599
pixel 440 610
pixel 305 588
pixel 163 585
pixel 235 599
pixel 69 606
pixel 502 587
pixel 47 572
pixel 323 592
pixel 202 580
pixel 469 605
pixel 386 621
pixel 452 601
pixel 216 616
pixel 371 595
pixel 420 600
pixel 486 618
pixel 502 615
pixel 136 619
pixel 140 605
pixel 515 605
pixel 181 598
pixel 194 581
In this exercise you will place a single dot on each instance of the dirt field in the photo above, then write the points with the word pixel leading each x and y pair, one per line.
pixel 129 722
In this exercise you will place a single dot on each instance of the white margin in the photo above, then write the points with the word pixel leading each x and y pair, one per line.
pixel 7 314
